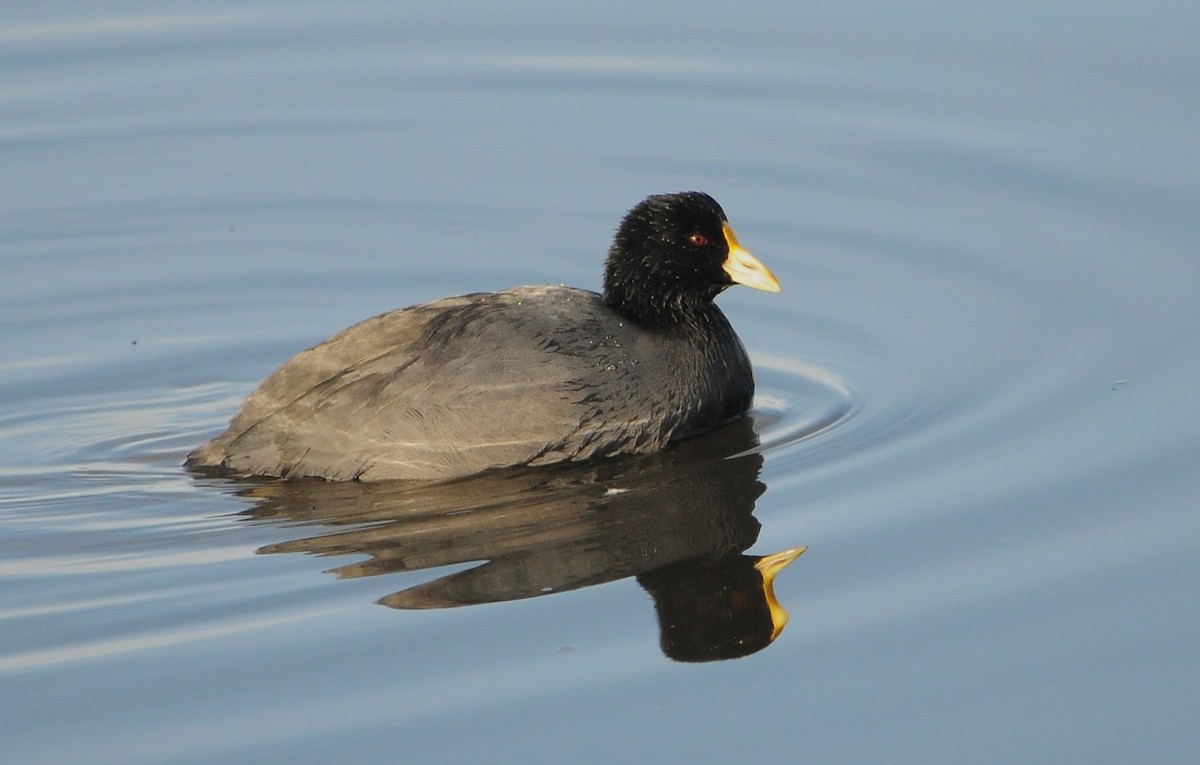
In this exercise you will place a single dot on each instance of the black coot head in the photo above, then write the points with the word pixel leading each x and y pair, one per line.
pixel 673 254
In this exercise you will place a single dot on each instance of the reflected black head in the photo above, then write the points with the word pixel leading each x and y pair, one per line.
pixel 666 259
pixel 710 610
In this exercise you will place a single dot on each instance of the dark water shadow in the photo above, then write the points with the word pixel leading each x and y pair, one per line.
pixel 679 521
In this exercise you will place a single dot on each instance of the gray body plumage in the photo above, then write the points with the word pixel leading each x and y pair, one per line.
pixel 526 376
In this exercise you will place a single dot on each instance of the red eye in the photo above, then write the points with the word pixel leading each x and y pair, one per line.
pixel 698 239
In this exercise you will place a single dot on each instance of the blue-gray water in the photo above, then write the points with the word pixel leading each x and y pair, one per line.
pixel 977 393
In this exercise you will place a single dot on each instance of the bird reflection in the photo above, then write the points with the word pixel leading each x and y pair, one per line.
pixel 678 520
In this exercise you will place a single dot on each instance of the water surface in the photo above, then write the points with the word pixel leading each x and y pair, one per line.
pixel 976 395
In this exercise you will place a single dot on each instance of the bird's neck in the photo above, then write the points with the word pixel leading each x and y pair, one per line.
pixel 660 311
pixel 652 302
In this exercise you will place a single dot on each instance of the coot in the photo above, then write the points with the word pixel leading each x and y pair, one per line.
pixel 524 376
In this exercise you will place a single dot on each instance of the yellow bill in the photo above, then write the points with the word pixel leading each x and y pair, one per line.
pixel 744 268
